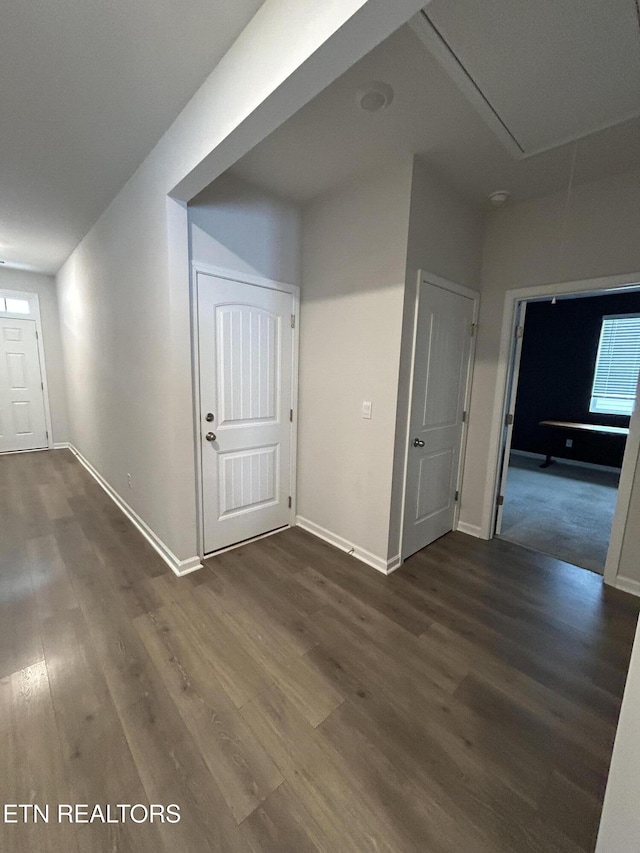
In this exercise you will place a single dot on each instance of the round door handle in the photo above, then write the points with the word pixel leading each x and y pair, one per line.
pixel 417 442
pixel 210 436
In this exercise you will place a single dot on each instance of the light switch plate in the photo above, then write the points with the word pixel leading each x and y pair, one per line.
pixel 366 410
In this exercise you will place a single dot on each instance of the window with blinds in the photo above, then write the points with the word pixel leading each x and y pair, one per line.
pixel 615 379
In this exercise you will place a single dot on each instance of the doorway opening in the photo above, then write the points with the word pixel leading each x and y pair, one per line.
pixel 573 381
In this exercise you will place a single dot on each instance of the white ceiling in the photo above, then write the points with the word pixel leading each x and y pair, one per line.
pixel 87 90
pixel 331 139
pixel 551 72
pixel 89 87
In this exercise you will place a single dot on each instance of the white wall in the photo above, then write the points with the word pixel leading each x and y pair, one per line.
pixel 445 238
pixel 124 292
pixel 353 262
pixel 620 822
pixel 115 308
pixel 45 287
pixel 524 247
pixel 239 227
pixel 629 566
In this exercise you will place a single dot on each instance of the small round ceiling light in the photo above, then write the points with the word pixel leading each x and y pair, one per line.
pixel 499 197
pixel 374 96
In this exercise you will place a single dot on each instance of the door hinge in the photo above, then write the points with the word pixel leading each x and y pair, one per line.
pixel 464 417
pixel 289 502
pixel 519 331
pixel 37 335
pixel 42 385
pixel 500 500
pixel 291 415
pixel 457 495
pixel 293 321
pixel 508 419
pixel 474 326
pixel 47 431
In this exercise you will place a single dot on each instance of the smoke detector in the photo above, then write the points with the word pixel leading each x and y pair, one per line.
pixel 374 96
pixel 499 197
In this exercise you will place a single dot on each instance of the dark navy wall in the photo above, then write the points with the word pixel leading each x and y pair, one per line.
pixel 559 351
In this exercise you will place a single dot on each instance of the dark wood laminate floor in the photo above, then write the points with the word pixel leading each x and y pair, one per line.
pixel 290 699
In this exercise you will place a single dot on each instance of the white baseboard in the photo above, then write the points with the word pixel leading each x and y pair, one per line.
pixel 380 565
pixel 178 567
pixel 470 529
pixel 31 450
pixel 62 445
pixel 561 460
pixel 628 585
pixel 394 563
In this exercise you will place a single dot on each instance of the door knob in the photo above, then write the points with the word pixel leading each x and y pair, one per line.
pixel 210 436
pixel 209 417
pixel 417 442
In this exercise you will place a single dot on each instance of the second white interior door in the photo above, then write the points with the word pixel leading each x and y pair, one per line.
pixel 440 380
pixel 246 399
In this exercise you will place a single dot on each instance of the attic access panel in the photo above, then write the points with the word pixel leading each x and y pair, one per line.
pixel 541 73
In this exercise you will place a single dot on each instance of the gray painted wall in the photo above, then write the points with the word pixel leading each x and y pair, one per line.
pixel 353 261
pixel 239 227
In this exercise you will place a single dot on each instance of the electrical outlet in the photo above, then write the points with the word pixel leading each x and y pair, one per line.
pixel 366 410
pixel 129 481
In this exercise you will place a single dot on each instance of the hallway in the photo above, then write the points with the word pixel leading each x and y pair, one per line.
pixel 288 698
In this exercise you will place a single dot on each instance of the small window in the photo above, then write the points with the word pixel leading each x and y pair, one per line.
pixel 17 306
pixel 615 379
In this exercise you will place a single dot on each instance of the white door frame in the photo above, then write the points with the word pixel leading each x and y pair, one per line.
pixel 461 290
pixel 584 287
pixel 198 267
pixel 513 376
pixel 34 314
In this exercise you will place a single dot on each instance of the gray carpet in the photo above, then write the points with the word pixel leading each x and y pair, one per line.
pixel 563 510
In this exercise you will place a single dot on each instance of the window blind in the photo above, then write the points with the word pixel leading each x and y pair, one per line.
pixel 615 377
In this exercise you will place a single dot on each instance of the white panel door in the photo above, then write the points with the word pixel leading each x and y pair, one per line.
pixel 22 416
pixel 440 379
pixel 246 391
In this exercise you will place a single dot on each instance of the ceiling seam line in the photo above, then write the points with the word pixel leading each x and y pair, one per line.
pixel 473 82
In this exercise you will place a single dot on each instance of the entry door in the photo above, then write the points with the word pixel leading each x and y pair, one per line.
pixel 246 402
pixel 444 327
pixel 22 416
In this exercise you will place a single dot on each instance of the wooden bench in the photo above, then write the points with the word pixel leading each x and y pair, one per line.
pixel 597 429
